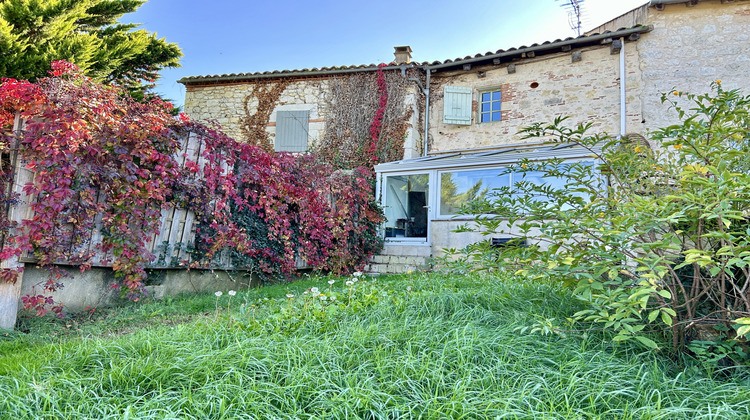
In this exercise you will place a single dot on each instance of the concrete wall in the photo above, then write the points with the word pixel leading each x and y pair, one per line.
pixel 93 288
pixel 688 49
pixel 541 89
pixel 443 236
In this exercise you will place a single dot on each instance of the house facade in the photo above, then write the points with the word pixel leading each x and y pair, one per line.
pixel 466 113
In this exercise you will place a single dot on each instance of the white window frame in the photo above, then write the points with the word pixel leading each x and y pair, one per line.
pixel 438 185
pixel 383 197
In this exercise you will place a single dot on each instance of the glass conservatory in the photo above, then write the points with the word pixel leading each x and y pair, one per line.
pixel 416 193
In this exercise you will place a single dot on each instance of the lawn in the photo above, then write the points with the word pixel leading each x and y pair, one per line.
pixel 419 346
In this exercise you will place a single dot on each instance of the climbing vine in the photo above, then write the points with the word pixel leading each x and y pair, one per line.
pixel 263 99
pixel 105 163
pixel 371 120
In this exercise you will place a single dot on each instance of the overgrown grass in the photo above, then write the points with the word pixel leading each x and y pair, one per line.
pixel 447 347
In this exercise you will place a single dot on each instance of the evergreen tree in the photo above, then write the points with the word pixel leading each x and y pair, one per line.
pixel 34 33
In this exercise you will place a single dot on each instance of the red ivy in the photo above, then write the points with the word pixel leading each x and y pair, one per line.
pixel 105 162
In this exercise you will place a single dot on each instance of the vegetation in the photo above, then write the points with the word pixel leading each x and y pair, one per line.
pixel 663 245
pixel 34 33
pixel 106 166
pixel 372 119
pixel 419 346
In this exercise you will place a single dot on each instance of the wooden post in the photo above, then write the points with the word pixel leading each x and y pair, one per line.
pixel 10 293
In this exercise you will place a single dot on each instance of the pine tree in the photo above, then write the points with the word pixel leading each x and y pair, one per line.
pixel 34 33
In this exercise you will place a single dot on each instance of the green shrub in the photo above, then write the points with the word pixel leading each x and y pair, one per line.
pixel 653 239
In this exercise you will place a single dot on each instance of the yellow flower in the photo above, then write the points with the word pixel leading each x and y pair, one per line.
pixel 678 146
pixel 718 82
pixel 676 93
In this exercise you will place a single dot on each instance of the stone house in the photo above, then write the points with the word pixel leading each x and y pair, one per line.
pixel 466 112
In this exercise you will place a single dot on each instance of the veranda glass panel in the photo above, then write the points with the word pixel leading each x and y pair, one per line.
pixel 461 187
pixel 406 198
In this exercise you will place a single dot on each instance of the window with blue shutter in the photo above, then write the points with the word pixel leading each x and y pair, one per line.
pixel 291 131
pixel 457 105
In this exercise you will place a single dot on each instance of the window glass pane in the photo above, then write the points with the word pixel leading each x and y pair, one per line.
pixel 486 97
pixel 538 178
pixel 406 198
pixel 496 106
pixel 496 95
pixel 461 187
pixel 485 107
pixel 485 117
pixel 496 116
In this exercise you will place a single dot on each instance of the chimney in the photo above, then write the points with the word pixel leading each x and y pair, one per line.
pixel 402 54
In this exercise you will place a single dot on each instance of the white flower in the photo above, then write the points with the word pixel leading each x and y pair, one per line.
pixel 323 297
pixel 349 282
pixel 289 295
pixel 232 292
pixel 331 281
pixel 333 298
pixel 357 274
pixel 315 293
pixel 218 294
pixel 314 289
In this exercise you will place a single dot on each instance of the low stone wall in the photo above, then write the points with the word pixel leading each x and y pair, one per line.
pixel 93 288
pixel 396 259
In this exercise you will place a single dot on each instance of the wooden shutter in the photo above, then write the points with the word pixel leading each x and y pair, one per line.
pixel 457 105
pixel 291 131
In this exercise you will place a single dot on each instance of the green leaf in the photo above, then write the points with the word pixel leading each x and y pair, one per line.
pixel 647 342
pixel 652 315
pixel 670 311
pixel 666 318
pixel 664 293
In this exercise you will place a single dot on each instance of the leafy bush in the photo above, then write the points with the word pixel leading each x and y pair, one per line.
pixel 652 239
pixel 105 163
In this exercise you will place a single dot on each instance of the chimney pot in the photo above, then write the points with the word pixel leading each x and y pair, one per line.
pixel 402 54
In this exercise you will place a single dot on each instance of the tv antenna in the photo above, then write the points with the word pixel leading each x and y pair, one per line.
pixel 574 14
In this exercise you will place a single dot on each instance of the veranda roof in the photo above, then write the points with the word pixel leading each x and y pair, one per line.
pixel 500 157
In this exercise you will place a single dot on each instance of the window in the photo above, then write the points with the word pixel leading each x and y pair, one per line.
pixel 489 106
pixel 458 188
pixel 291 131
pixel 406 198
pixel 461 187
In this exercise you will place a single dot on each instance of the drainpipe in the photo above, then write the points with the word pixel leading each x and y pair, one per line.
pixel 623 109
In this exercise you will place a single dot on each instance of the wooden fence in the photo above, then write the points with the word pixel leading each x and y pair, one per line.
pixel 170 245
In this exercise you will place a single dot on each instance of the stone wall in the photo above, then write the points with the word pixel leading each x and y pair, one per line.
pixel 224 103
pixel 540 90
pixel 688 49
pixel 635 17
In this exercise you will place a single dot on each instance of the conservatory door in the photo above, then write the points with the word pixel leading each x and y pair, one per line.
pixel 406 207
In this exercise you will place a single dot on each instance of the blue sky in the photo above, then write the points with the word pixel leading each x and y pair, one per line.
pixel 234 36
